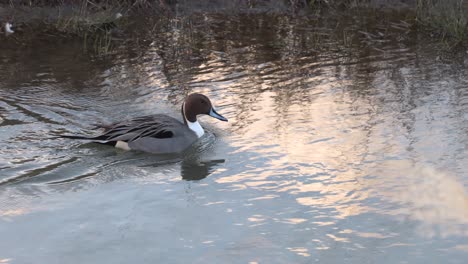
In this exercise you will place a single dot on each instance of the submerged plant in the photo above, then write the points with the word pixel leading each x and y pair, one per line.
pixel 99 44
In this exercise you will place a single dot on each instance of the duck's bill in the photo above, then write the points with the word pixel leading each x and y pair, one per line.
pixel 215 114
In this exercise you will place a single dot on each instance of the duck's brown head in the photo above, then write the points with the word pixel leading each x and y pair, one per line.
pixel 198 104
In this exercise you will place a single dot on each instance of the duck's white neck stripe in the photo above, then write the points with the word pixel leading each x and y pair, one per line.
pixel 196 127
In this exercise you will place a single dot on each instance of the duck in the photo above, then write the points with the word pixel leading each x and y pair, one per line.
pixel 8 28
pixel 158 133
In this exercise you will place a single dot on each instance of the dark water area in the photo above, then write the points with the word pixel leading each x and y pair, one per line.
pixel 346 143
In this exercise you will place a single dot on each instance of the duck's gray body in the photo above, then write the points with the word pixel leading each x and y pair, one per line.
pixel 160 134
pixel 155 133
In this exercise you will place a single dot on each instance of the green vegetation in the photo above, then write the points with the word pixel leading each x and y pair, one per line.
pixel 447 18
pixel 97 21
pixel 97 29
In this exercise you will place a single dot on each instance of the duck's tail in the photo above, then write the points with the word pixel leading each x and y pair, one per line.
pixel 98 139
pixel 54 137
pixel 76 137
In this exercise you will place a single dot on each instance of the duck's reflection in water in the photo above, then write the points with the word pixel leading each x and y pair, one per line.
pixel 194 170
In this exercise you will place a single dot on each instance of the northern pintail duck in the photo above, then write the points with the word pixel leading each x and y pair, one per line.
pixel 159 133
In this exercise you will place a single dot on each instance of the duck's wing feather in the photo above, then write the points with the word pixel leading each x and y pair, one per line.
pixel 153 126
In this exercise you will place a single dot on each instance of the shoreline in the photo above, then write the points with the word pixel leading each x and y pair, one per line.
pixel 100 26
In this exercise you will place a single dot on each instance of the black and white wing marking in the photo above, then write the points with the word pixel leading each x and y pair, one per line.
pixel 154 126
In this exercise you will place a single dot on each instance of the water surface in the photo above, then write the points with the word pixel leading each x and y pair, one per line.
pixel 346 143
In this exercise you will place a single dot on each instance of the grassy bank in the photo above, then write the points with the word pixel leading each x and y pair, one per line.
pixel 446 18
pixel 97 22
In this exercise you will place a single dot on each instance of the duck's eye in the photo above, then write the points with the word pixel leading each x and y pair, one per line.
pixel 203 101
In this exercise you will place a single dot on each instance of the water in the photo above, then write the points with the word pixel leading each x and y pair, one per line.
pixel 343 145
